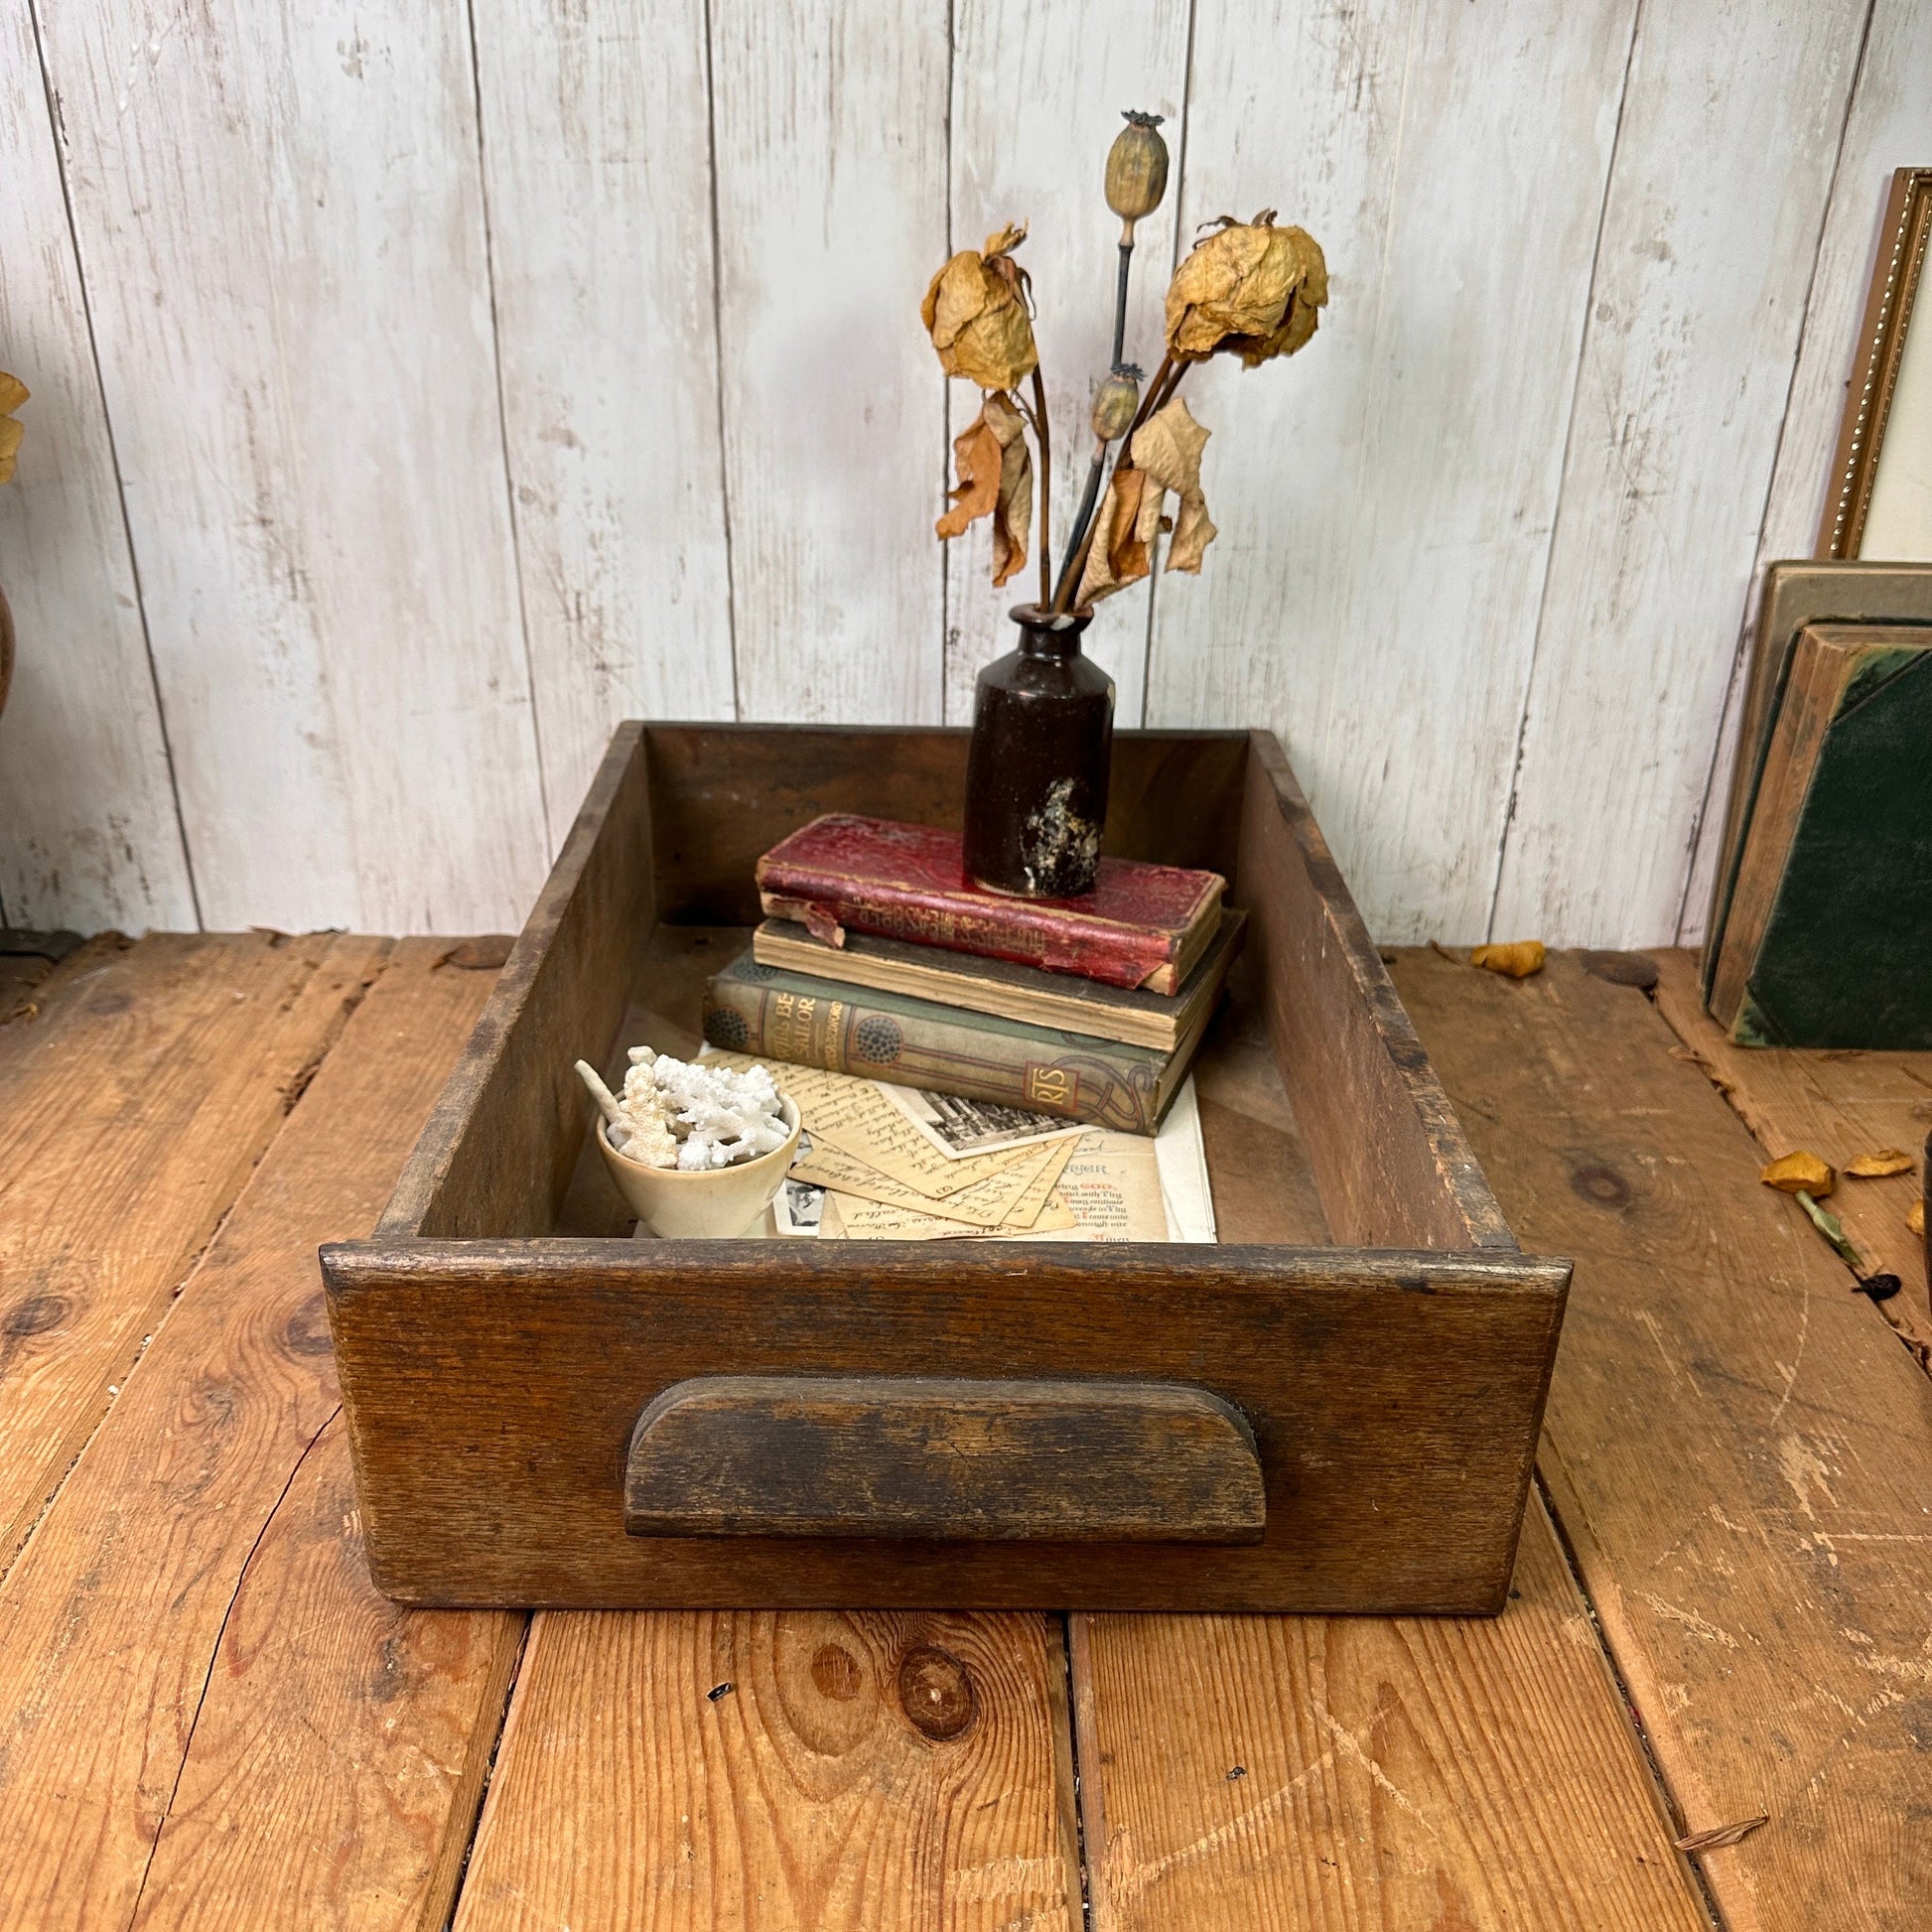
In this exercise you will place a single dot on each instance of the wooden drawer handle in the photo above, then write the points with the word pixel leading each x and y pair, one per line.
pixel 879 1456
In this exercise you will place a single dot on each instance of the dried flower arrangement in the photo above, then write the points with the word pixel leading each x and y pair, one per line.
pixel 13 392
pixel 1248 289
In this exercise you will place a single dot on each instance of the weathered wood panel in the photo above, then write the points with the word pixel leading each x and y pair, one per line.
pixel 279 214
pixel 88 835
pixel 1710 231
pixel 1298 106
pixel 112 1619
pixel 1367 1772
pixel 1385 499
pixel 597 162
pixel 1036 97
pixel 1840 1106
pixel 132 1110
pixel 741 1772
pixel 339 1753
pixel 1890 126
pixel 1733 1445
pixel 830 129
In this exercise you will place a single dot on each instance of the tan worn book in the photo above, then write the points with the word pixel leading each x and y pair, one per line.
pixel 1007 990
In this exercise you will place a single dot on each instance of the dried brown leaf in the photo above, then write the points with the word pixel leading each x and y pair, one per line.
pixel 1720 1835
pixel 1915 1217
pixel 1519 959
pixel 13 392
pixel 10 430
pixel 1119 554
pixel 1167 447
pixel 1251 288
pixel 1887 1160
pixel 996 479
pixel 1800 1172
pixel 975 311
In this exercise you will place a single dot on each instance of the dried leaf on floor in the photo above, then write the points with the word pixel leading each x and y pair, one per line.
pixel 1518 960
pixel 1720 1835
pixel 1915 1220
pixel 1800 1172
pixel 1887 1160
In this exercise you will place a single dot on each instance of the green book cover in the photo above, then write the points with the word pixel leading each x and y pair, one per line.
pixel 1845 955
pixel 784 1015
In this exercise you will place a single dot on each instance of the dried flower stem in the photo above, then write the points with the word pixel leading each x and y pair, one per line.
pixel 1160 392
pixel 1120 291
pixel 1042 436
pixel 1089 496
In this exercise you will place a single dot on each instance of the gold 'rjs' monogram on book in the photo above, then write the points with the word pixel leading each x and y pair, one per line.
pixel 1052 1086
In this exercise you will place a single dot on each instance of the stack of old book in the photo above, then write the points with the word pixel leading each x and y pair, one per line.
pixel 878 959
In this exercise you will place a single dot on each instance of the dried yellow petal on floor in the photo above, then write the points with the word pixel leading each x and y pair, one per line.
pixel 1887 1160
pixel 1519 960
pixel 1800 1174
pixel 1915 1220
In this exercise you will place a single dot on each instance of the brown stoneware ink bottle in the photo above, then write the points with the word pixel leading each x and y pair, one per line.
pixel 1037 773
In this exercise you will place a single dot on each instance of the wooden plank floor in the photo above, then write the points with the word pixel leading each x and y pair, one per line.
pixel 209 1718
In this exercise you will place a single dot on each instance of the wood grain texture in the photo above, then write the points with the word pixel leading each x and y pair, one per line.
pixel 757 1770
pixel 1075 67
pixel 1708 241
pixel 986 1461
pixel 132 1108
pixel 595 163
pixel 1890 126
pixel 91 836
pixel 831 206
pixel 279 214
pixel 721 795
pixel 1363 1772
pixel 112 1619
pixel 516 1371
pixel 1733 1445
pixel 1385 499
pixel 339 1753
pixel 497 1152
pixel 1392 1162
pixel 1298 106
pixel 1839 1105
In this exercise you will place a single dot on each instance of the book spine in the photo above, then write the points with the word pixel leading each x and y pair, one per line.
pixel 1107 1086
pixel 1030 935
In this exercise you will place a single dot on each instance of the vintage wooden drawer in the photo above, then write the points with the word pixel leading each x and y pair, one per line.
pixel 1305 1417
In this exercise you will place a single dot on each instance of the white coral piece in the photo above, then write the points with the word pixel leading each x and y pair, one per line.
pixel 698 1117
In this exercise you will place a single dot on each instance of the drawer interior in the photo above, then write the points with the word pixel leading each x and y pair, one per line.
pixel 1263 1185
pixel 1353 1140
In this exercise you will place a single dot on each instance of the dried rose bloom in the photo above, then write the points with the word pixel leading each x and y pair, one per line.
pixel 1250 287
pixel 996 479
pixel 1137 168
pixel 975 311
pixel 13 392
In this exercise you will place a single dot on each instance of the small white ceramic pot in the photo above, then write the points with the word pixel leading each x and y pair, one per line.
pixel 712 1203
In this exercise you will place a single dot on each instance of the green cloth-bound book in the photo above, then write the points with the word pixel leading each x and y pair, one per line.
pixel 1828 941
pixel 785 1016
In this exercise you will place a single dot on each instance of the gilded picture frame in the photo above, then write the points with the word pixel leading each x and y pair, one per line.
pixel 1875 388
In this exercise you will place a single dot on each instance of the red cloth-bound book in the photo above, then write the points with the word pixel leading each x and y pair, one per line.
pixel 1142 925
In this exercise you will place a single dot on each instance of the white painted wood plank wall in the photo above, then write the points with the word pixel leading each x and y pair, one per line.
pixel 420 391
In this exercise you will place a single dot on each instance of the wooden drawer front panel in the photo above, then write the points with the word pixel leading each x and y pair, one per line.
pixel 1394 1402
